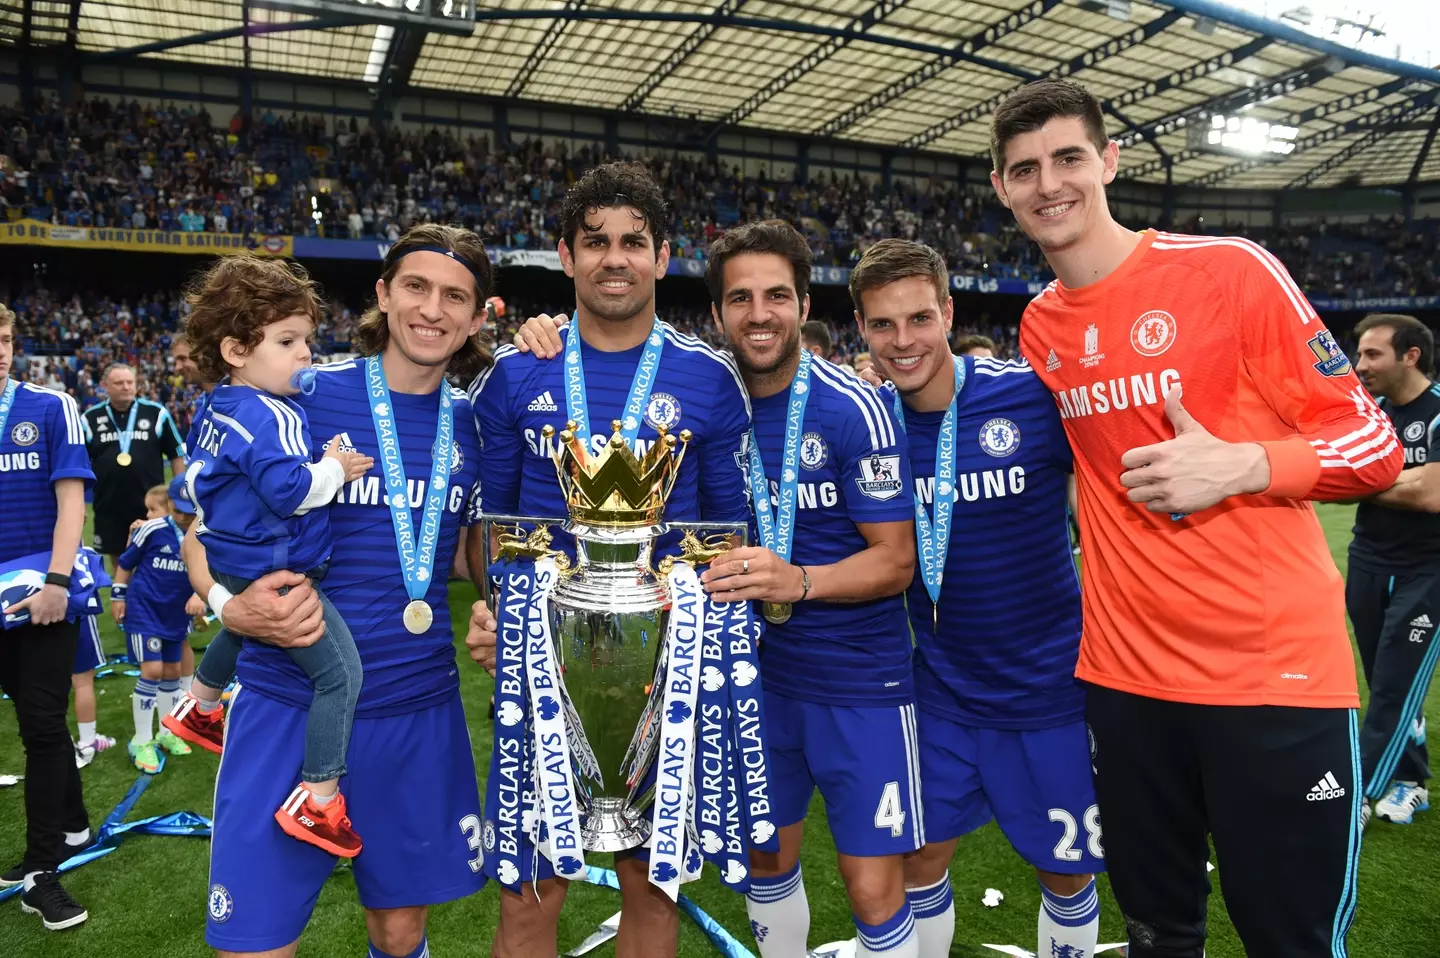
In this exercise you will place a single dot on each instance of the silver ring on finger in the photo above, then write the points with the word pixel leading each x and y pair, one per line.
pixel 744 567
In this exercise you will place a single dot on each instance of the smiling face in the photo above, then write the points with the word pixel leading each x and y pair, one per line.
pixel 614 263
pixel 430 307
pixel 908 331
pixel 1377 363
pixel 760 312
pixel 1054 182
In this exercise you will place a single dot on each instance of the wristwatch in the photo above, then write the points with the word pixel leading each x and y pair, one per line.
pixel 57 578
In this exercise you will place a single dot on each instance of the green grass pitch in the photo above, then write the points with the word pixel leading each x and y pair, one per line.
pixel 149 897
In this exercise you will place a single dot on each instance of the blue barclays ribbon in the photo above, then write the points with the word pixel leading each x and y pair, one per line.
pixel 7 400
pixel 934 537
pixel 509 843
pixel 777 528
pixel 747 703
pixel 417 559
pixel 577 407
pixel 123 436
pixel 560 840
pixel 671 822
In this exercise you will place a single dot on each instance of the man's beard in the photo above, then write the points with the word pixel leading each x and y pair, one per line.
pixel 789 348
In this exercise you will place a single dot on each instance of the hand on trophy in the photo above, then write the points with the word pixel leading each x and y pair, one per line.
pixel 480 640
pixel 539 335
pixel 754 573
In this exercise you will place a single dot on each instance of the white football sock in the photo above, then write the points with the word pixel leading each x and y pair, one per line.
pixel 142 704
pixel 1073 921
pixel 186 681
pixel 169 691
pixel 87 733
pixel 934 910
pixel 892 938
pixel 779 915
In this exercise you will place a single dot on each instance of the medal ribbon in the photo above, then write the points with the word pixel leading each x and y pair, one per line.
pixel 674 776
pixel 777 529
pixel 555 780
pixel 7 399
pixel 417 563
pixel 934 537
pixel 127 435
pixel 508 836
pixel 577 407
pixel 748 727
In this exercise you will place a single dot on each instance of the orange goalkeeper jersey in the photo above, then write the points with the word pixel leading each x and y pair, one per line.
pixel 1241 603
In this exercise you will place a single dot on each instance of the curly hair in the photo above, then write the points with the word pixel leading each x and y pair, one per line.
pixel 236 298
pixel 372 332
pixel 610 185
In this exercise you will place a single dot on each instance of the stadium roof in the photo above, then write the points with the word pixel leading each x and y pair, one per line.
pixel 915 74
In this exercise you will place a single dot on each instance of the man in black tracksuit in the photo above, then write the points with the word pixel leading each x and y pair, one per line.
pixel 1392 591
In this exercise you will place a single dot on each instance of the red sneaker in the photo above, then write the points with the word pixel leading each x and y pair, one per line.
pixel 205 729
pixel 324 826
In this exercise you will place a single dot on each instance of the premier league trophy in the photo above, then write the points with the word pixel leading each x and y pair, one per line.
pixel 627 701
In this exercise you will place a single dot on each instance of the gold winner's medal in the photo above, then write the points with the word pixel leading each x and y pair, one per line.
pixel 124 459
pixel 777 613
pixel 418 617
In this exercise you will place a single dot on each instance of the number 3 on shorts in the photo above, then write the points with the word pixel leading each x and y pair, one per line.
pixel 890 813
pixel 1065 849
pixel 470 828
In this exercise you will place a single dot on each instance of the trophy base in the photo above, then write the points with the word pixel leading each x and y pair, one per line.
pixel 610 826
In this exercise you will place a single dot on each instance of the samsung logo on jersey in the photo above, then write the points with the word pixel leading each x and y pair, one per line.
pixel 973 486
pixel 168 565
pixel 365 491
pixel 1414 454
pixel 549 448
pixel 141 434
pixel 1113 395
pixel 15 461
pixel 809 495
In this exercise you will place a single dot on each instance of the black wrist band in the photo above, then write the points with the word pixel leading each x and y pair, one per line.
pixel 57 578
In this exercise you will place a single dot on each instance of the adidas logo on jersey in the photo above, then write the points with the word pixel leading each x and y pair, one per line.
pixel 166 550
pixel 1052 362
pixel 1326 788
pixel 1423 622
pixel 543 403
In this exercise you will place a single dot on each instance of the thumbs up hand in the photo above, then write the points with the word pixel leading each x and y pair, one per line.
pixel 1193 471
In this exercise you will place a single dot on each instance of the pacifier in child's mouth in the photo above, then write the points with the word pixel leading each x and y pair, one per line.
pixel 304 380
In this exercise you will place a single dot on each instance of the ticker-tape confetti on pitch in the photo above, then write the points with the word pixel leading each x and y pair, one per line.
pixel 115 828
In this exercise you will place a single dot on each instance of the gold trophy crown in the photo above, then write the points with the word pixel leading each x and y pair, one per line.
pixel 617 489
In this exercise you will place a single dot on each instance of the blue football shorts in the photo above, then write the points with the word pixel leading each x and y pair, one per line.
pixel 154 648
pixel 1036 784
pixel 89 653
pixel 411 794
pixel 865 762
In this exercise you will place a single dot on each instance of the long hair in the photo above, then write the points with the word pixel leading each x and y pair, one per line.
pixel 372 332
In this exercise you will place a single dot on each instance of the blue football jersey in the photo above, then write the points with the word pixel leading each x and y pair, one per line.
pixel 1009 611
pixel 696 388
pixel 853 469
pixel 159 584
pixel 44 440
pixel 403 672
pixel 248 473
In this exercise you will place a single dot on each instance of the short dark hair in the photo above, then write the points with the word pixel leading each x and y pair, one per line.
pixel 966 343
pixel 892 260
pixel 236 298
pixel 610 185
pixel 816 332
pixel 1406 333
pixel 764 236
pixel 1033 105
pixel 372 331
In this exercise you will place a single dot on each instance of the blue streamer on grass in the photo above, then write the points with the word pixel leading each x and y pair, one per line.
pixel 724 942
pixel 115 828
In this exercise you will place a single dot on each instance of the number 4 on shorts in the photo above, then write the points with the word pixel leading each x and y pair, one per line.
pixel 890 813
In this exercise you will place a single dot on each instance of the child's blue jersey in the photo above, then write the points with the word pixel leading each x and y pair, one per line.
pixel 853 469
pixel 403 672
pixel 160 585
pixel 1009 611
pixel 248 473
pixel 696 388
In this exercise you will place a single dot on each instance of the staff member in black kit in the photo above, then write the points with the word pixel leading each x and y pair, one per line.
pixel 42 488
pixel 1393 588
pixel 128 440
